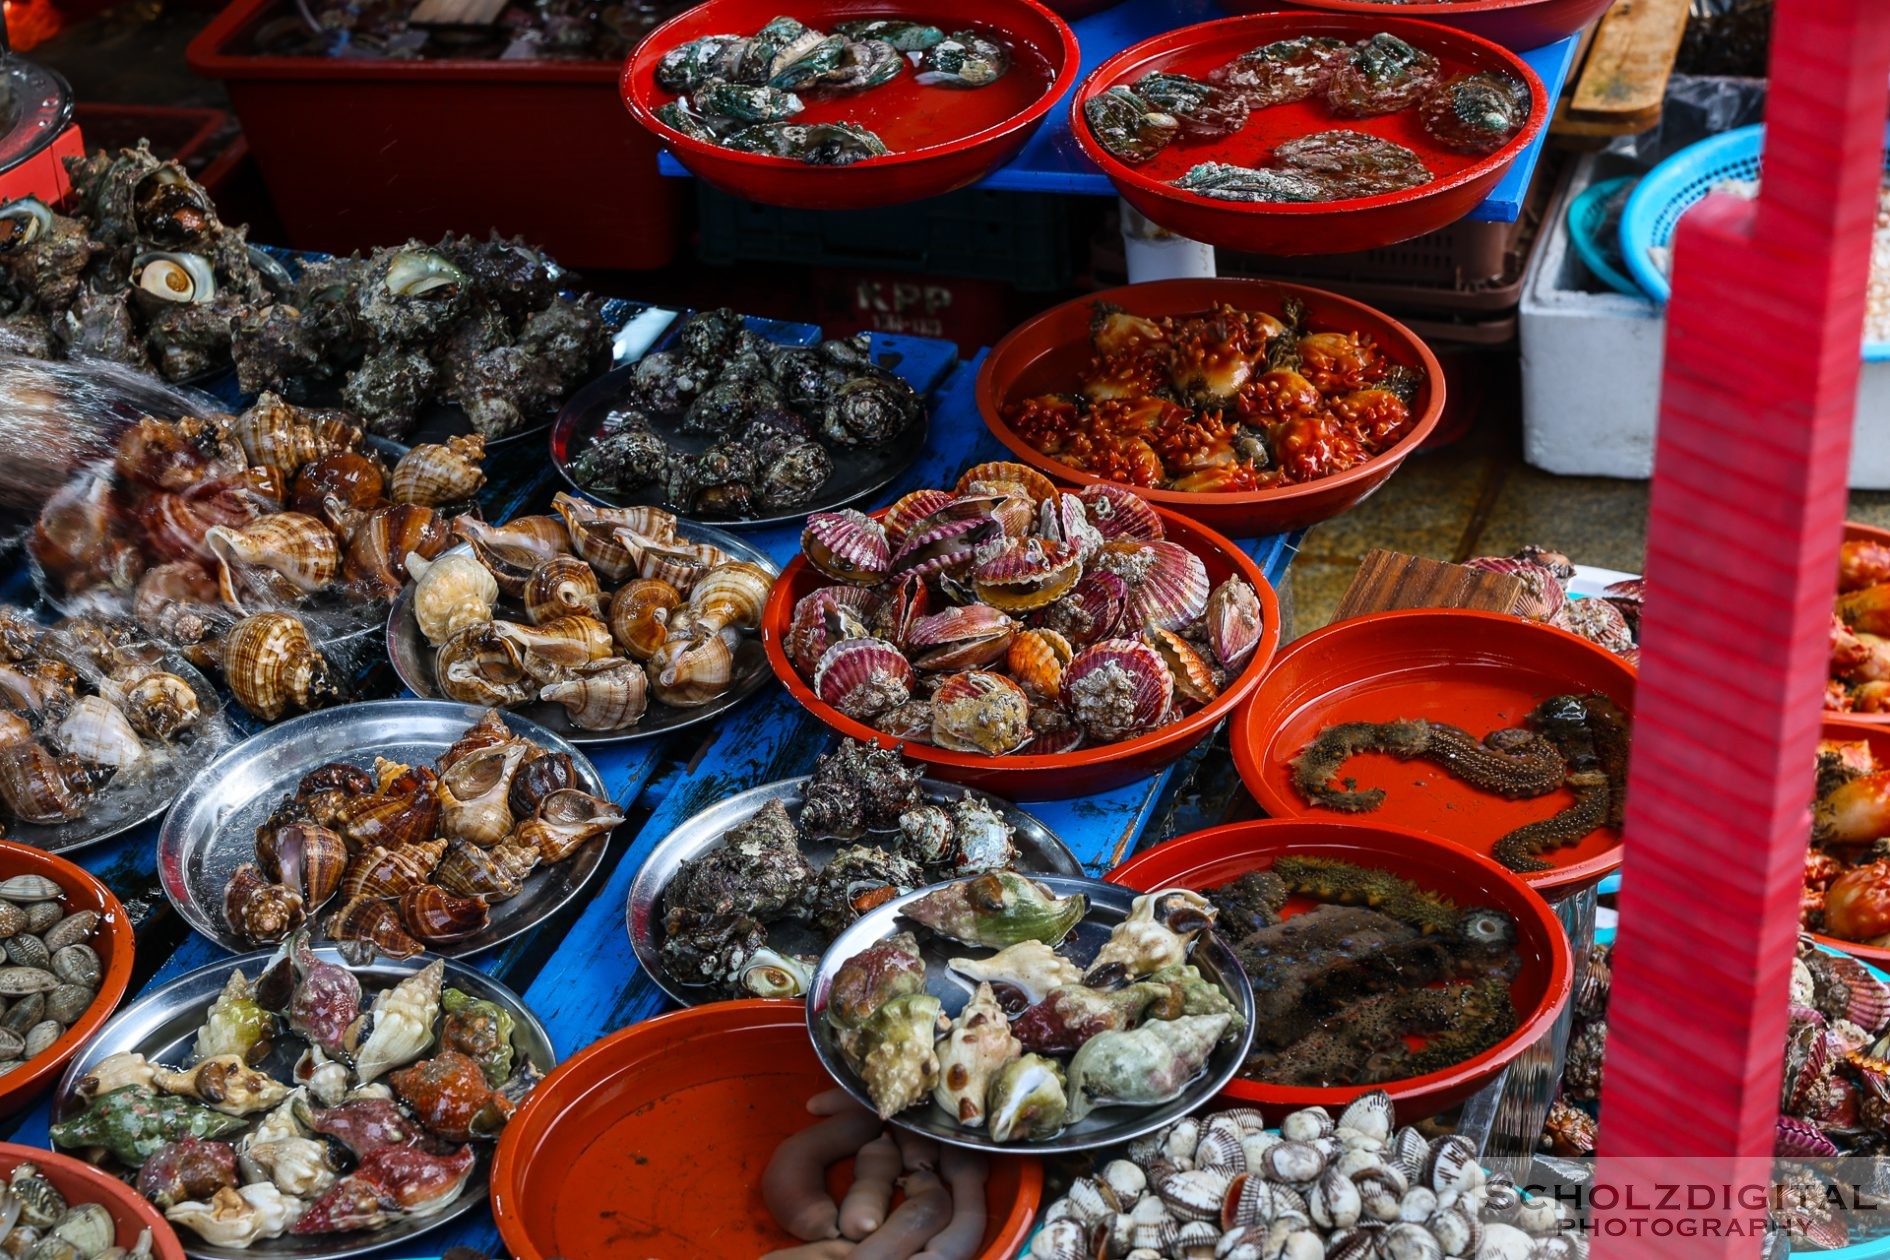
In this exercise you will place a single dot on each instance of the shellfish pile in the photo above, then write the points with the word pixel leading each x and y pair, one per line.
pixel 1613 621
pixel 732 917
pixel 87 707
pixel 1225 1186
pixel 368 1131
pixel 1043 1042
pixel 41 1224
pixel 742 92
pixel 1860 630
pixel 1847 866
pixel 726 424
pixel 1005 613
pixel 414 855
pixel 1222 401
pixel 52 973
pixel 669 633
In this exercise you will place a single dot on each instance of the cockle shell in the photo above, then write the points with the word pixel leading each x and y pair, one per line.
pixel 449 594
pixel 299 549
pixel 639 615
pixel 863 678
pixel 964 636
pixel 562 586
pixel 1037 659
pixel 606 695
pixel 434 473
pixel 1027 573
pixel 980 712
pixel 1118 513
pixel 847 546
pixel 475 794
pixel 1234 628
pixel 1192 676
pixel 1116 689
pixel 271 666
pixel 731 594
pixel 567 819
pixel 688 673
pixel 97 732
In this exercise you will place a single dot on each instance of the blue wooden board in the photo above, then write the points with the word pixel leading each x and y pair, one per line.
pixel 588 984
pixel 1053 163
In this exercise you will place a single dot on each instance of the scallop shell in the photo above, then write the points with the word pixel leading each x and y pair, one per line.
pixel 1093 610
pixel 639 616
pixel 1064 518
pixel 434 915
pixel 450 593
pixel 1193 677
pixel 1116 689
pixel 688 673
pixel 433 473
pixel 299 549
pixel 980 712
pixel 561 587
pixel 1121 514
pixel 847 546
pixel 1173 592
pixel 1037 659
pixel 912 510
pixel 1027 574
pixel 863 678
pixel 1002 475
pixel 272 667
pixel 823 617
pixel 606 695
pixel 943 546
pixel 1545 597
pixel 731 594
pixel 1234 626
pixel 964 636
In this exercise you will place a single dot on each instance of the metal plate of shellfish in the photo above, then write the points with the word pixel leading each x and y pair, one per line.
pixel 212 829
pixel 1106 1125
pixel 1039 852
pixel 162 1025
pixel 413 658
pixel 145 790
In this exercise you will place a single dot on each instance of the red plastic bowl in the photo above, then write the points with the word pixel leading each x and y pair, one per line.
pixel 1853 532
pixel 1877 735
pixel 80 1183
pixel 114 941
pixel 1523 25
pixel 941 139
pixel 1218 855
pixel 652 1142
pixel 1327 227
pixel 1043 355
pixel 1476 670
pixel 1056 776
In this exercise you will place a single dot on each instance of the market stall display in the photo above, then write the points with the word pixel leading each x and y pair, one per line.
pixel 741 900
pixel 1518 24
pixel 49 1194
pixel 1846 896
pixel 387 828
pixel 412 1068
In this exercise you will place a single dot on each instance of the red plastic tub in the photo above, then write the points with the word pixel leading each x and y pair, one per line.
pixel 1519 24
pixel 79 1182
pixel 358 153
pixel 652 1141
pixel 1218 855
pixel 1476 670
pixel 1058 776
pixel 1043 355
pixel 1328 227
pixel 941 139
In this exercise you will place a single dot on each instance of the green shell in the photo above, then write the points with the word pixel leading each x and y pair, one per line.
pixel 999 910
pixel 481 1030
pixel 902 35
pixel 134 1122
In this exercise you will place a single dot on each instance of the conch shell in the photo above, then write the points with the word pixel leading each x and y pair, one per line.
pixel 1026 1099
pixel 894 1052
pixel 566 819
pixel 731 594
pixel 399 1027
pixel 562 586
pixel 999 910
pixel 1142 1066
pixel 1160 930
pixel 979 1043
pixel 688 673
pixel 606 695
pixel 1030 967
pixel 474 794
pixel 450 593
pixel 272 560
pixel 477 666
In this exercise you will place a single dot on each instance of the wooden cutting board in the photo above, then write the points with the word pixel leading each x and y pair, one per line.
pixel 1389 580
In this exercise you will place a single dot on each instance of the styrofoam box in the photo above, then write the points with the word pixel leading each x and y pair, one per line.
pixel 1591 368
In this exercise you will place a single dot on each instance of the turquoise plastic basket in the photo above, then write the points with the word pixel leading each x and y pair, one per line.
pixel 1587 216
pixel 1672 188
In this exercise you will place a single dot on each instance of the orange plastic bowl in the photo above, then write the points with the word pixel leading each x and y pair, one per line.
pixel 79 1182
pixel 1056 776
pixel 652 1142
pixel 1218 855
pixel 1877 735
pixel 1325 227
pixel 1476 670
pixel 941 139
pixel 114 942
pixel 1521 25
pixel 1853 532
pixel 1045 353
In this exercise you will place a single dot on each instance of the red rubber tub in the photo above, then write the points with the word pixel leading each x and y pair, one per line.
pixel 1219 855
pixel 1522 25
pixel 1328 227
pixel 1058 776
pixel 942 139
pixel 1043 355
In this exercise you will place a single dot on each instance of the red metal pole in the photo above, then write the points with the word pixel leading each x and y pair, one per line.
pixel 1763 335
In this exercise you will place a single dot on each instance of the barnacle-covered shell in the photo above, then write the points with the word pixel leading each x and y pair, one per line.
pixel 639 616
pixel 1116 689
pixel 1093 610
pixel 1118 513
pixel 1234 629
pixel 687 673
pixel 863 678
pixel 1027 573
pixel 980 712
pixel 847 546
pixel 450 593
pixel 271 666
pixel 964 636
pixel 562 586
pixel 434 473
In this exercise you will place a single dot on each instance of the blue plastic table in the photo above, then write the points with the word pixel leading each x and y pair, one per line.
pixel 1052 162
pixel 578 973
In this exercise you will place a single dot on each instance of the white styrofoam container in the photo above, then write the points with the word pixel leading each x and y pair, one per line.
pixel 1591 369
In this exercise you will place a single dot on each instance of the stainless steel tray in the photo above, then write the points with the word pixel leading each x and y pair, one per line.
pixel 413 656
pixel 1105 1126
pixel 132 799
pixel 1039 852
pixel 212 830
pixel 162 1025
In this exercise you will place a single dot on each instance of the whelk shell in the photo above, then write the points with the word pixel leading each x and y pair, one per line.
pixel 562 586
pixel 271 666
pixel 606 695
pixel 639 616
pixel 475 794
pixel 546 652
pixel 297 549
pixel 380 545
pixel 478 666
pixel 433 473
pixel 96 731
pixel 731 594
pixel 434 914
pixel 449 594
pixel 568 818
pixel 511 551
pixel 383 872
pixel 688 673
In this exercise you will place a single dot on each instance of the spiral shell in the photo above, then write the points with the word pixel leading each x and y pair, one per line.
pixel 380 545
pixel 1193 676
pixel 847 546
pixel 1234 627
pixel 433 473
pixel 645 521
pixel 1173 590
pixel 39 787
pixel 472 871
pixel 539 777
pixel 560 587
pixel 475 793
pixel 980 712
pixel 259 911
pixel 912 510
pixel 279 435
pixel 549 651
pixel 1037 659
pixel 160 705
pixel 1116 689
pixel 568 818
pixel 435 915
pixel 511 551
pixel 450 594
pixel 965 636
pixel 271 666
pixel 1027 574
pixel 823 617
pixel 338 487
pixel 477 666
pixel 373 923
pixel 639 616
pixel 1004 477
pixel 688 673
pixel 311 860
pixel 606 695
pixel 299 549
pixel 731 594
pixel 97 732
pixel 383 872
pixel 863 678
pixel 681 564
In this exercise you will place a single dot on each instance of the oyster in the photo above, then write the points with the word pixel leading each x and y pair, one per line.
pixel 1142 1066
pixel 1027 1099
pixel 998 910
pixel 1159 931
pixel 1029 968
pixel 979 1044
pixel 894 1054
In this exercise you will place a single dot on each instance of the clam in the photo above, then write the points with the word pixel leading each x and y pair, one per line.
pixel 1192 676
pixel 1093 610
pixel 847 546
pixel 944 546
pixel 562 586
pixel 639 615
pixel 434 473
pixel 688 673
pixel 271 666
pixel 912 510
pixel 606 695
pixel 450 593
